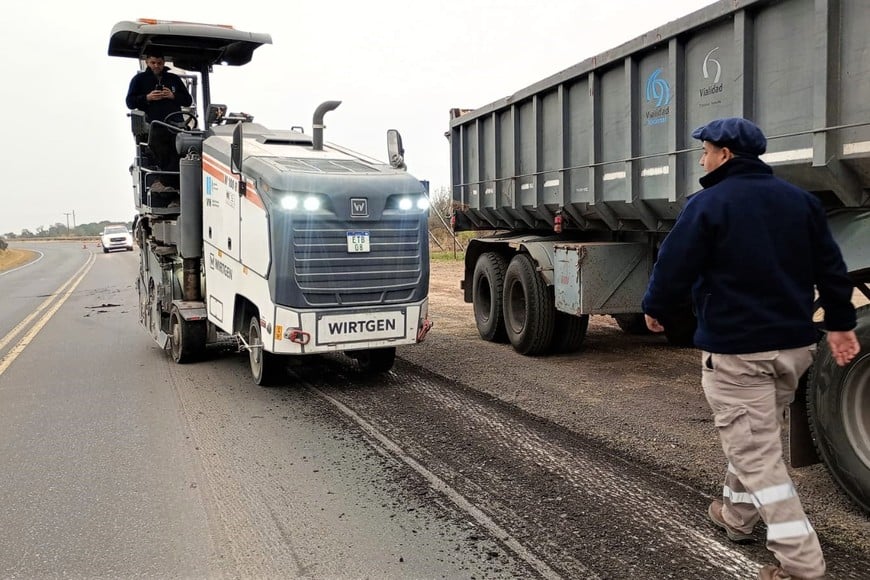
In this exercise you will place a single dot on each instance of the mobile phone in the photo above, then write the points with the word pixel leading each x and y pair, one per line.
pixel 159 87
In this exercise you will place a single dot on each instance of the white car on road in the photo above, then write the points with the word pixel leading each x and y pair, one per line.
pixel 116 238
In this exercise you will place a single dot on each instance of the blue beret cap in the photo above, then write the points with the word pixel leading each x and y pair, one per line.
pixel 738 134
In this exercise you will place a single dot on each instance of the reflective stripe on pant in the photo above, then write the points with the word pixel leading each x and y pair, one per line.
pixel 748 394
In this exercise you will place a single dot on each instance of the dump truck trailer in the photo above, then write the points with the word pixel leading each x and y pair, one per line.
pixel 275 240
pixel 574 182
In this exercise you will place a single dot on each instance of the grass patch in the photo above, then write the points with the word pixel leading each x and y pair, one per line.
pixel 448 256
pixel 12 258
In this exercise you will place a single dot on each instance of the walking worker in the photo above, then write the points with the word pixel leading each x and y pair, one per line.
pixel 752 249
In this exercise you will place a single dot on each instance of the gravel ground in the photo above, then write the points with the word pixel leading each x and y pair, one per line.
pixel 636 395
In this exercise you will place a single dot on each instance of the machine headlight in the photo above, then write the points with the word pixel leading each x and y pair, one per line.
pixel 295 202
pixel 311 203
pixel 405 203
pixel 422 203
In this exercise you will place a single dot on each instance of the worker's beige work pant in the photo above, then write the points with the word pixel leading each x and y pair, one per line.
pixel 748 394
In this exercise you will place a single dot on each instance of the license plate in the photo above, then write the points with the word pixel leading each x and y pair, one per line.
pixel 358 242
pixel 359 327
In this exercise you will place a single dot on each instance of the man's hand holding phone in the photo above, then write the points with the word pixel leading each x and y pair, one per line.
pixel 159 92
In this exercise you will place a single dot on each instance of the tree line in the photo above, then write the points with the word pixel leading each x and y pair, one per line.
pixel 60 230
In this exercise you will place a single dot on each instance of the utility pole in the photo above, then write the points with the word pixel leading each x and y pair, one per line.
pixel 74 219
pixel 67 221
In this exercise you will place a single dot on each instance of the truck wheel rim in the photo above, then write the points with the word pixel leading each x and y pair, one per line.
pixel 856 401
pixel 175 341
pixel 256 354
pixel 485 299
pixel 517 311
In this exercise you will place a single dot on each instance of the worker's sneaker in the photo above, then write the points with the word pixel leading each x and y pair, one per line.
pixel 715 513
pixel 771 572
pixel 158 187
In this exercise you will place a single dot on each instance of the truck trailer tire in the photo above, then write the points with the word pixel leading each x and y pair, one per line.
pixel 568 332
pixel 488 295
pixel 529 314
pixel 838 404
pixel 632 323
pixel 264 365
pixel 186 338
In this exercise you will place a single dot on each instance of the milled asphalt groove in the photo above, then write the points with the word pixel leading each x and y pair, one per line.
pixel 580 510
pixel 605 481
pixel 439 485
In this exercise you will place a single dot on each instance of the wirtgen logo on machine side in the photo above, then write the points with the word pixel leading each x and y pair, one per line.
pixel 221 267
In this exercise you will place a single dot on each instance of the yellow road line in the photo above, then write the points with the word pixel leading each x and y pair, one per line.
pixel 59 297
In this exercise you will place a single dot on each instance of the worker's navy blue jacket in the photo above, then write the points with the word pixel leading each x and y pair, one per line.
pixel 145 82
pixel 751 247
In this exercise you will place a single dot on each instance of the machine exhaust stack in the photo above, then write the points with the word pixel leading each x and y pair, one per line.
pixel 317 125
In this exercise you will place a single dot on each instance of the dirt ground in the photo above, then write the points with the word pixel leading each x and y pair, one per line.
pixel 636 394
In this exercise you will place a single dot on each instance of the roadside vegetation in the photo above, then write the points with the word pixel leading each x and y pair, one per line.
pixel 61 231
pixel 441 256
pixel 444 244
pixel 12 257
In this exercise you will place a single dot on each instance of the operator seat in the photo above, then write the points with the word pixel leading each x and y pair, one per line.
pixel 141 129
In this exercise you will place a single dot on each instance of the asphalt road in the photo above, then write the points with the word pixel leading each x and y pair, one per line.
pixel 116 463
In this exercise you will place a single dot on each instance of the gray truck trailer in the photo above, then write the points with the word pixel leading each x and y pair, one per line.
pixel 578 178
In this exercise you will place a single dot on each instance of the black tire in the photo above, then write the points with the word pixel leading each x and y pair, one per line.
pixel 265 366
pixel 487 296
pixel 529 314
pixel 186 338
pixel 375 361
pixel 634 323
pixel 569 331
pixel 105 250
pixel 838 405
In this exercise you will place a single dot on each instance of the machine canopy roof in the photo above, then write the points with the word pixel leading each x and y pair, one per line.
pixel 188 45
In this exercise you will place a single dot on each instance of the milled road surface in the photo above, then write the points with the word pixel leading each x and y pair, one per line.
pixel 582 510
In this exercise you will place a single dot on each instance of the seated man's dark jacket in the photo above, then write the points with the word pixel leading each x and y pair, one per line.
pixel 751 247
pixel 145 82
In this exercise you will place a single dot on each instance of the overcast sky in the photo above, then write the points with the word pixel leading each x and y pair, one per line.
pixel 66 144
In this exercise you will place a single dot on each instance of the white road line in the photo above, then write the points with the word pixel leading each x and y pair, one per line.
pixel 59 296
pixel 438 484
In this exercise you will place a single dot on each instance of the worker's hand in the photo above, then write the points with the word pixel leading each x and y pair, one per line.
pixel 158 94
pixel 844 346
pixel 653 324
